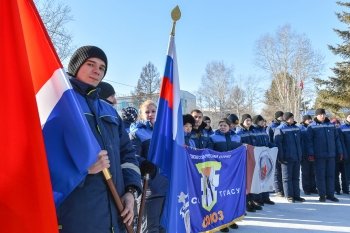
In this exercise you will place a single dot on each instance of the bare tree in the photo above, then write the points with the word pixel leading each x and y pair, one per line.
pixel 253 94
pixel 237 101
pixel 215 88
pixel 291 62
pixel 55 16
pixel 148 83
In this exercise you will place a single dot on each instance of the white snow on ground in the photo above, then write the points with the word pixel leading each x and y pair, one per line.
pixel 310 217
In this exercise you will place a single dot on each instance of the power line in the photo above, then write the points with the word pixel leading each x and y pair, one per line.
pixel 120 83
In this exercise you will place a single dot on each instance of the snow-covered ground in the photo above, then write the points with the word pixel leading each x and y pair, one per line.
pixel 311 216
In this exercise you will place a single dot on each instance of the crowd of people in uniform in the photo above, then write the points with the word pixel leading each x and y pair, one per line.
pixel 320 148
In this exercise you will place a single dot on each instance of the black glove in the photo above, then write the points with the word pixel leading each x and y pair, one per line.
pixel 148 167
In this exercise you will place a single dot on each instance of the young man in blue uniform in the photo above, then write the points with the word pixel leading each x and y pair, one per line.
pixel 324 147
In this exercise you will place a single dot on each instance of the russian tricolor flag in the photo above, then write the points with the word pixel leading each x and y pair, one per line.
pixel 34 85
pixel 167 144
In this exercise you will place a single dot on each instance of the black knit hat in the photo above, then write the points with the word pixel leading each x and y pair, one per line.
pixel 206 118
pixel 320 111
pixel 257 118
pixel 81 55
pixel 306 117
pixel 287 115
pixel 106 90
pixel 129 114
pixel 233 118
pixel 278 114
pixel 245 116
pixel 188 118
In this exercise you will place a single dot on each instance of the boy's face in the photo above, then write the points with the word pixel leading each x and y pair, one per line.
pixel 208 123
pixel 233 126
pixel 92 71
pixel 290 120
pixel 224 127
pixel 112 99
pixel 321 117
pixel 198 118
pixel 308 121
pixel 188 128
pixel 261 123
pixel 247 122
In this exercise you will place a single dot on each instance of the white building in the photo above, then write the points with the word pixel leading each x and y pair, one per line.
pixel 188 101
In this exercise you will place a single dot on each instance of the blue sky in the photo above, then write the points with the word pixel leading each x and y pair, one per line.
pixel 133 33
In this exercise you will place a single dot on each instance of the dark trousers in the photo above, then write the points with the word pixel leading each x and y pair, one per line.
pixel 290 177
pixel 347 170
pixel 340 170
pixel 308 176
pixel 278 178
pixel 155 203
pixel 261 197
pixel 325 170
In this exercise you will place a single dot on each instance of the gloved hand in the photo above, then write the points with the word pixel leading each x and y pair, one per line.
pixel 311 158
pixel 148 167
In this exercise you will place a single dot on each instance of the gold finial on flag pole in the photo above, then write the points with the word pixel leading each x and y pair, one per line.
pixel 175 15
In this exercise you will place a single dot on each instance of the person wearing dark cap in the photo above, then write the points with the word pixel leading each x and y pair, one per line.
pixel 208 128
pixel 188 122
pixel 278 172
pixel 345 137
pixel 107 93
pixel 89 208
pixel 246 132
pixel 307 168
pixel 262 139
pixel 233 118
pixel 129 116
pixel 324 146
pixel 288 140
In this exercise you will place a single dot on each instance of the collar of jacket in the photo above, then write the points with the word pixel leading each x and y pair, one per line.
pixel 319 122
pixel 304 124
pixel 84 88
pixel 285 123
pixel 246 129
pixel 276 121
pixel 143 124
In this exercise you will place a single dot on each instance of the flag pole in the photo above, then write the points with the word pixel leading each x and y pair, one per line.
pixel 142 205
pixel 175 15
pixel 115 195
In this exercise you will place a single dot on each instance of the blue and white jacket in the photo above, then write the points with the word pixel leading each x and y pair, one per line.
pixel 288 140
pixel 141 135
pixel 323 140
pixel 270 130
pixel 247 135
pixel 224 141
pixel 200 136
pixel 91 202
pixel 345 138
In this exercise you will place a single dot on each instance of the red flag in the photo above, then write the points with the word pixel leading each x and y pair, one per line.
pixel 26 199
